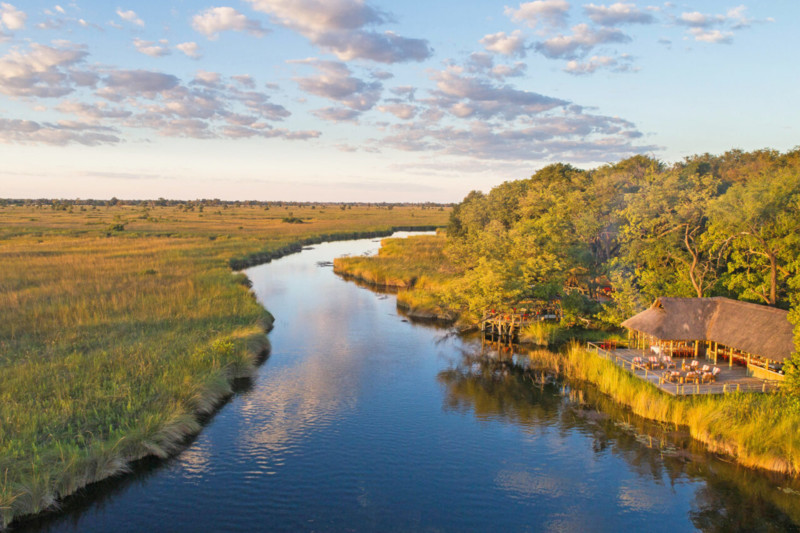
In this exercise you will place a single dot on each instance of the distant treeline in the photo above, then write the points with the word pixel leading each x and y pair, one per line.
pixel 215 202
pixel 709 225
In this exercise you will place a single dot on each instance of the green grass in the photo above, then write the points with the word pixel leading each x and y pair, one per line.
pixel 118 325
pixel 757 430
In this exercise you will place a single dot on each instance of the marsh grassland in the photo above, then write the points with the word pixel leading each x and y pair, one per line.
pixel 119 324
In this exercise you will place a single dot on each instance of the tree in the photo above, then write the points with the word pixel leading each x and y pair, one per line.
pixel 756 226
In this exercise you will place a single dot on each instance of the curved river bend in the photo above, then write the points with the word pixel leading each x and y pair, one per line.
pixel 362 421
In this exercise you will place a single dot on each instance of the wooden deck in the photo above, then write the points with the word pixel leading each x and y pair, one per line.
pixel 730 379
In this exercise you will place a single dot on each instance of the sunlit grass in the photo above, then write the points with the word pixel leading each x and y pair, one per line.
pixel 119 324
pixel 758 430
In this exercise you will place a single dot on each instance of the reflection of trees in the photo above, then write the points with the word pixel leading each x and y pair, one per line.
pixel 732 498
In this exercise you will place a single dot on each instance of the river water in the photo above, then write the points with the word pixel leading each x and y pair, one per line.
pixel 363 421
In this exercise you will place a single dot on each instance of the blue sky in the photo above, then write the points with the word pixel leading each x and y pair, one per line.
pixel 347 100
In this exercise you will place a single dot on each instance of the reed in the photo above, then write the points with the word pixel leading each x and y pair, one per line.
pixel 120 324
pixel 757 430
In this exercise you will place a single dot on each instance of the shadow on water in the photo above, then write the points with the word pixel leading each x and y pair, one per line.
pixel 494 383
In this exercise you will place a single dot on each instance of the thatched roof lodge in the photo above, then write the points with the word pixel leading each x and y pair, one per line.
pixel 755 335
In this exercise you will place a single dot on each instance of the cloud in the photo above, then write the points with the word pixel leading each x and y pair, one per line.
pixel 696 19
pixel 616 14
pixel 11 17
pixel 711 36
pixel 547 13
pixel 701 25
pixel 149 48
pixel 44 71
pixel 582 40
pixel 621 64
pixel 573 135
pixel 340 27
pixel 92 112
pixel 190 49
pixel 137 82
pixel 502 43
pixel 470 96
pixel 400 110
pixel 337 114
pixel 245 80
pixel 130 16
pixel 60 134
pixel 335 81
pixel 214 20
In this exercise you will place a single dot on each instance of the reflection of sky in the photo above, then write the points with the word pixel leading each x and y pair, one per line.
pixel 347 426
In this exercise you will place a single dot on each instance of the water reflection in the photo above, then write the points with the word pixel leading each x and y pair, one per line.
pixel 492 384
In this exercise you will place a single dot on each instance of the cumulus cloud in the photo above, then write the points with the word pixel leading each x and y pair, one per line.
pixel 92 113
pixel 502 43
pixel 150 48
pixel 121 83
pixel 43 71
pixel 582 40
pixel 335 81
pixel 547 13
pixel 340 26
pixel 190 49
pixel 12 18
pixel 616 14
pixel 696 19
pixel 214 20
pixel 130 16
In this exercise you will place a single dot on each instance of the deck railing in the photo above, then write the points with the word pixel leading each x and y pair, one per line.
pixel 679 389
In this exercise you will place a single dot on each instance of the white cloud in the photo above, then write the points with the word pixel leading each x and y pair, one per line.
pixel 582 40
pixel 44 71
pixel 502 43
pixel 214 20
pixel 618 13
pixel 594 63
pixel 711 36
pixel 190 49
pixel 130 16
pixel 149 48
pixel 548 13
pixel 699 20
pixel 339 26
pixel 11 17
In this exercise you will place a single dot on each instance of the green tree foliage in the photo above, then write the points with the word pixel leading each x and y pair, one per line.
pixel 709 225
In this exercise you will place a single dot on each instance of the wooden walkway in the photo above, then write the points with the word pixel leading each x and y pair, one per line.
pixel 730 379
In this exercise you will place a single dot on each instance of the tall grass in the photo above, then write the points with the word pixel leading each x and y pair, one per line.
pixel 757 430
pixel 113 340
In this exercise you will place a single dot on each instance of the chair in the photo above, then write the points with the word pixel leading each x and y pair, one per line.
pixel 705 368
pixel 668 362
pixel 695 365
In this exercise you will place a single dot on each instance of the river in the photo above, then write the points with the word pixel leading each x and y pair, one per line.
pixel 363 421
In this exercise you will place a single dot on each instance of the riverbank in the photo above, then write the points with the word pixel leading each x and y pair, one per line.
pixel 756 430
pixel 120 324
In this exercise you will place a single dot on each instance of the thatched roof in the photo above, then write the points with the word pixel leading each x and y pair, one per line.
pixel 752 328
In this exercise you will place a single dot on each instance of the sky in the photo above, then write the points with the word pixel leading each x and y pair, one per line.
pixel 377 101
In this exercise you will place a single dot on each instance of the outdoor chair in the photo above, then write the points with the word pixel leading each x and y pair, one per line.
pixel 705 368
pixel 695 365
pixel 668 362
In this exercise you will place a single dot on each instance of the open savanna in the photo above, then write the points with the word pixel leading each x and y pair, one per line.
pixel 119 324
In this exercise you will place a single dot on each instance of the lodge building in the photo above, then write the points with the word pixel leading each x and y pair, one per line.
pixel 720 329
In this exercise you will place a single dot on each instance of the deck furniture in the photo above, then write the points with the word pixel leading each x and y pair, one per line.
pixel 692 377
pixel 667 362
